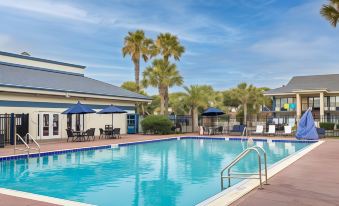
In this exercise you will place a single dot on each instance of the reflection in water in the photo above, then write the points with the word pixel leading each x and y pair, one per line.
pixel 178 172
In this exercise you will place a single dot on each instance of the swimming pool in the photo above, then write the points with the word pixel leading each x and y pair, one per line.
pixel 173 172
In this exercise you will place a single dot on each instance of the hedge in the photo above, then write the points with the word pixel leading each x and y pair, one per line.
pixel 156 124
pixel 327 125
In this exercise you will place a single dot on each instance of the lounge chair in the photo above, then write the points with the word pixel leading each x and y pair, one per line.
pixel 271 130
pixel 259 130
pixel 287 130
pixel 239 129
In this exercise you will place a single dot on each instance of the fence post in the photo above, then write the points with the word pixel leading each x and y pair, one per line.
pixel 12 129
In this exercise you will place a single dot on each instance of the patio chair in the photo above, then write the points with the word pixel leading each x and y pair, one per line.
pixel 287 130
pixel 259 130
pixel 219 130
pixel 70 135
pixel 206 130
pixel 238 129
pixel 101 130
pixel 90 133
pixel 321 132
pixel 271 130
pixel 116 133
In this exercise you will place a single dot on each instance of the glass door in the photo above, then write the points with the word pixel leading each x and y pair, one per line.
pixel 49 125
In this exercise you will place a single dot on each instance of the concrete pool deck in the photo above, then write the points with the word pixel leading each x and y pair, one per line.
pixel 311 180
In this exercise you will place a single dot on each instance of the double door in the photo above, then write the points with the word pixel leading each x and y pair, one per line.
pixel 49 125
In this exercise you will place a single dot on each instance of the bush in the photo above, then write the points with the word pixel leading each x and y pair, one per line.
pixel 157 124
pixel 327 125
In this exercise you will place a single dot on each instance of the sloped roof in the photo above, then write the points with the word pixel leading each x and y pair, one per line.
pixel 329 82
pixel 43 79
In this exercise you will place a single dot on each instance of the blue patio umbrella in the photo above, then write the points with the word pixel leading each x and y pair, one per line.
pixel 306 127
pixel 79 109
pixel 112 110
pixel 212 112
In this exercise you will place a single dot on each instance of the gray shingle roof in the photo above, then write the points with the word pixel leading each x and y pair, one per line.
pixel 43 79
pixel 329 82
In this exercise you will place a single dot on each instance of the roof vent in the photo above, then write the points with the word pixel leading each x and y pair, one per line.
pixel 25 54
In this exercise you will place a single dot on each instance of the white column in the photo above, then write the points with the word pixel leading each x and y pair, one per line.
pixel 298 107
pixel 322 111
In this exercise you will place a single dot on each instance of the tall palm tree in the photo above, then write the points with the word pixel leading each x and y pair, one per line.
pixel 197 96
pixel 244 94
pixel 138 46
pixel 162 75
pixel 331 12
pixel 168 45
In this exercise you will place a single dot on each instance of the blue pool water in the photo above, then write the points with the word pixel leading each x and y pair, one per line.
pixel 176 172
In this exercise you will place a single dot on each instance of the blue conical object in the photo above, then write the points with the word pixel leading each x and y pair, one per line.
pixel 306 127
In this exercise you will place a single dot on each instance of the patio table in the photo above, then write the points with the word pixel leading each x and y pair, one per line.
pixel 108 132
pixel 80 134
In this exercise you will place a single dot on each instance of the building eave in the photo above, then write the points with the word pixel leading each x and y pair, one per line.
pixel 45 91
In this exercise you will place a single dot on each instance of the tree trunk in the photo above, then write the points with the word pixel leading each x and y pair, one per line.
pixel 195 124
pixel 166 101
pixel 137 73
pixel 245 113
pixel 162 99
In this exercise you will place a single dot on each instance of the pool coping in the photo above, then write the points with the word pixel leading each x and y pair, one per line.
pixel 230 195
pixel 60 201
pixel 56 152
pixel 42 198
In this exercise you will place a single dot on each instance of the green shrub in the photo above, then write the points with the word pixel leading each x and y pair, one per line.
pixel 157 124
pixel 327 125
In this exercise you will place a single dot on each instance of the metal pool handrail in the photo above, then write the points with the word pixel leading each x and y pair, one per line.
pixel 27 147
pixel 245 175
pixel 28 135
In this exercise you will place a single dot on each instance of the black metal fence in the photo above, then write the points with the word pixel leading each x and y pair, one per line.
pixel 12 124
pixel 182 123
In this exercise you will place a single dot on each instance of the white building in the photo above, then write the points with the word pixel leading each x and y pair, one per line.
pixel 44 89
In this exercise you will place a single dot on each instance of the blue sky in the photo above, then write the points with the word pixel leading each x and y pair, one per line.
pixel 263 42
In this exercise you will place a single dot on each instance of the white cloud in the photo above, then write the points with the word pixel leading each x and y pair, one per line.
pixel 197 28
pixel 4 40
pixel 50 8
pixel 290 48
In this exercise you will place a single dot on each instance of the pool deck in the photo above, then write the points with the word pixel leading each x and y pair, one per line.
pixel 312 180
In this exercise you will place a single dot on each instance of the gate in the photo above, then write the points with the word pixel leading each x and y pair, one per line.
pixel 12 124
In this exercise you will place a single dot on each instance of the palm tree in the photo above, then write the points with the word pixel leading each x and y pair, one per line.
pixel 162 75
pixel 168 45
pixel 244 94
pixel 331 12
pixel 137 45
pixel 197 96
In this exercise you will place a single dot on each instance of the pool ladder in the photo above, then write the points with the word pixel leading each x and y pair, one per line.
pixel 27 147
pixel 243 154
